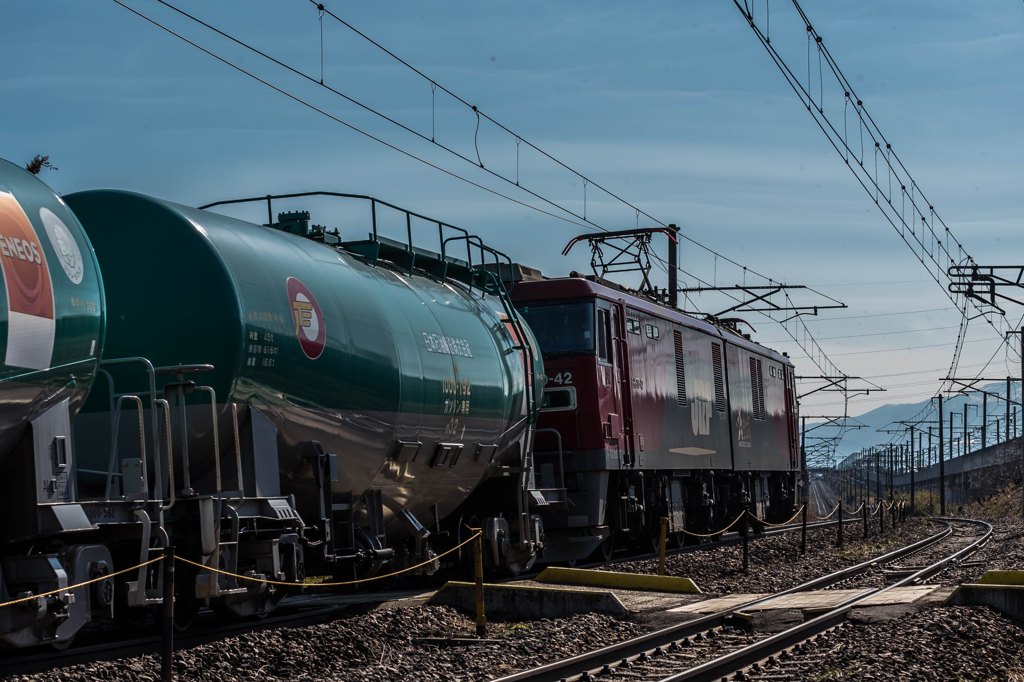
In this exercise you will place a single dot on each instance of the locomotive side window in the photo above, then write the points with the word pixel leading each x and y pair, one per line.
pixel 716 367
pixel 633 325
pixel 558 399
pixel 604 335
pixel 757 388
pixel 653 332
pixel 677 340
pixel 561 327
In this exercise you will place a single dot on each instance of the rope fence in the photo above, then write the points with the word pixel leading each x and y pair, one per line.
pixel 107 576
pixel 829 515
pixel 69 588
pixel 183 560
pixel 717 532
pixel 784 523
pixel 341 583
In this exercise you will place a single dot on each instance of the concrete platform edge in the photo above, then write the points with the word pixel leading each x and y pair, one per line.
pixel 1007 599
pixel 624 581
pixel 523 602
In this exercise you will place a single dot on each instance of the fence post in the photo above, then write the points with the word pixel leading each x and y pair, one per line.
pixel 893 513
pixel 803 532
pixel 167 636
pixel 864 513
pixel 478 574
pixel 840 524
pixel 662 537
pixel 746 541
pixel 881 517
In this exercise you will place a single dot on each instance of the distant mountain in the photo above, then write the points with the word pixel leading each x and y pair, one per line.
pixel 888 416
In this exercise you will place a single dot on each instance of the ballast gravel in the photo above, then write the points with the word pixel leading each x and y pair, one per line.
pixel 382 646
pixel 955 643
pixel 948 643
pixel 775 562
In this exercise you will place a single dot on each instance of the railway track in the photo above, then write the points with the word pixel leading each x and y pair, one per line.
pixel 715 646
pixel 295 611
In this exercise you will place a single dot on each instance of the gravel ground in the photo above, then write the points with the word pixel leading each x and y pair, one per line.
pixel 775 562
pixel 387 644
pixel 382 645
pixel 949 643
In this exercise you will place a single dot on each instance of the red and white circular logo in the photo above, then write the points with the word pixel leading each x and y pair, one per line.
pixel 310 329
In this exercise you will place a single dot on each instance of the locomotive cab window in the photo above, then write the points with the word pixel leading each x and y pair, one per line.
pixel 633 325
pixel 561 327
pixel 653 332
pixel 604 335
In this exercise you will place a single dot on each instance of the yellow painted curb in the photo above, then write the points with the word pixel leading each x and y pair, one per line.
pixel 625 581
pixel 507 586
pixel 1002 578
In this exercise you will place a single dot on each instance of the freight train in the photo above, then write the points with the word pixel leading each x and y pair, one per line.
pixel 277 404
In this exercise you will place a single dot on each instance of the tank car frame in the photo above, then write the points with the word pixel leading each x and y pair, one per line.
pixel 203 459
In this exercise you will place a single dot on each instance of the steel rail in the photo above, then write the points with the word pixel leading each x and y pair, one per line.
pixel 735 661
pixel 595 660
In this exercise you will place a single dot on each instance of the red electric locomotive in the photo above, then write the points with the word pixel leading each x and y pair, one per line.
pixel 650 413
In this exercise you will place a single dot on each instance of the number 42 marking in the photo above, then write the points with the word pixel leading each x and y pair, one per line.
pixel 562 379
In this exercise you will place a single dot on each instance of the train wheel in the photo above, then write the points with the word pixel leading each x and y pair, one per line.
pixel 61 646
pixel 370 566
pixel 186 606
pixel 605 550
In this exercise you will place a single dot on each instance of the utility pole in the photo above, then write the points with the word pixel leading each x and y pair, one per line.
pixel 982 283
pixel 966 442
pixel 1021 332
pixel 878 474
pixel 984 418
pixel 942 466
pixel 888 473
pixel 912 467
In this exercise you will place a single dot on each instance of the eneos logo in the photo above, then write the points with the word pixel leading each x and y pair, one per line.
pixel 30 306
pixel 310 329
pixel 68 254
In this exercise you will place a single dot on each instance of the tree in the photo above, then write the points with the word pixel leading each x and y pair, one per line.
pixel 38 163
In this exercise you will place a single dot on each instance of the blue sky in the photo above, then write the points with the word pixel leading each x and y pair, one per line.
pixel 675 106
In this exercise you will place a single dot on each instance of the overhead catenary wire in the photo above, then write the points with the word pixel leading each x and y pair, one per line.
pixel 873 334
pixel 816 354
pixel 931 246
pixel 580 220
pixel 801 334
pixel 901 313
pixel 904 348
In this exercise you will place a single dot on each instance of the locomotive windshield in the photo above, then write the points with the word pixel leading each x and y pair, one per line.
pixel 561 327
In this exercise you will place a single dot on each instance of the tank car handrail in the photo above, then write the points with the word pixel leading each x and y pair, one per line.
pixel 561 464
pixel 172 497
pixel 154 425
pixel 216 436
pixel 323 193
pixel 238 450
pixel 464 234
pixel 113 445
